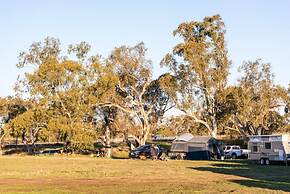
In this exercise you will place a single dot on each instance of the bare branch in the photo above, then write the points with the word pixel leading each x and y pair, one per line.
pixel 169 108
pixel 134 137
pixel 199 121
pixel 234 129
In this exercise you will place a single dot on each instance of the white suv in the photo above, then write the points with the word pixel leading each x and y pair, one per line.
pixel 234 151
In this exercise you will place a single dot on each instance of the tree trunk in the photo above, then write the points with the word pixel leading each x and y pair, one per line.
pixel 142 141
pixel 145 134
pixel 213 127
pixel 28 148
pixel 108 142
pixel 1 140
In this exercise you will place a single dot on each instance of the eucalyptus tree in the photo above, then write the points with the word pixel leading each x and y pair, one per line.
pixel 287 108
pixel 29 126
pixel 200 65
pixel 177 125
pixel 134 91
pixel 10 108
pixel 3 107
pixel 259 103
pixel 106 117
pixel 59 85
pixel 3 117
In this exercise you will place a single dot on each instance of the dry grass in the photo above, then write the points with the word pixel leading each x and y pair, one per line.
pixel 94 175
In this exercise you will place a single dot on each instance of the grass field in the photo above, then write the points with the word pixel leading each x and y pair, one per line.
pixel 59 174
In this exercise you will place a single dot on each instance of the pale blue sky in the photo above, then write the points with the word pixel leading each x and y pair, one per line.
pixel 255 29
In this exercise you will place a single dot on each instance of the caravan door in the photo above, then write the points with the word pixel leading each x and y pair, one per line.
pixel 281 155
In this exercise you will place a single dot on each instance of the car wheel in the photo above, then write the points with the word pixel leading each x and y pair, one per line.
pixel 267 161
pixel 262 161
pixel 234 156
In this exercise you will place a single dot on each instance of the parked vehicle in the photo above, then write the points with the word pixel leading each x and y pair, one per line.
pixel 144 152
pixel 51 151
pixel 234 151
pixel 192 147
pixel 269 148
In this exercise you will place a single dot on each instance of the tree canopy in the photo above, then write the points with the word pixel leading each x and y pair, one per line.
pixel 75 97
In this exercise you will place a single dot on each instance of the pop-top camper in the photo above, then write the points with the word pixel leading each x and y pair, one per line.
pixel 267 148
pixel 192 147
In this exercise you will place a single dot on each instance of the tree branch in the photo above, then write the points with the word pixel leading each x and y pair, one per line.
pixel 108 104
pixel 169 108
pixel 137 139
pixel 233 129
pixel 199 121
pixel 146 84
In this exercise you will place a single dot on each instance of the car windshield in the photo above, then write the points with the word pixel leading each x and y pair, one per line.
pixel 142 147
pixel 227 148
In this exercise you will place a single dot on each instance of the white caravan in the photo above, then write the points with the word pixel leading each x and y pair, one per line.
pixel 267 148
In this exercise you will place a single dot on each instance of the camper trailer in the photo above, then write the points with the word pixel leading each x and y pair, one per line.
pixel 269 148
pixel 191 147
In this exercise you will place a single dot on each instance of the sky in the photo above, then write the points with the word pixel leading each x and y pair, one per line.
pixel 255 29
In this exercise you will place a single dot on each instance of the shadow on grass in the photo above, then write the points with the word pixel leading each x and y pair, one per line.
pixel 267 177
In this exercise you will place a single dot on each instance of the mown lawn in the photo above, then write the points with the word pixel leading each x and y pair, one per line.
pixel 59 174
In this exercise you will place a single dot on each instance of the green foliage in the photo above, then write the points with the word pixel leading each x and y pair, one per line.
pixel 60 88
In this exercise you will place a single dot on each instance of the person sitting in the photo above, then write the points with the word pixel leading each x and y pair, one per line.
pixel 153 152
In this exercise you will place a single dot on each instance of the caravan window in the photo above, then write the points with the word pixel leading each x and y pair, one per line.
pixel 268 145
pixel 255 148
pixel 178 147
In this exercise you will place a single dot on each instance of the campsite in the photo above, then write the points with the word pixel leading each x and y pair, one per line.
pixel 144 96
pixel 199 171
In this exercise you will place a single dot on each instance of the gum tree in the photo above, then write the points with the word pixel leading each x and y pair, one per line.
pixel 259 102
pixel 59 85
pixel 200 65
pixel 134 92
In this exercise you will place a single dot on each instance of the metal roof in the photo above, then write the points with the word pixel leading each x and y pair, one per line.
pixel 184 137
pixel 203 139
pixel 187 137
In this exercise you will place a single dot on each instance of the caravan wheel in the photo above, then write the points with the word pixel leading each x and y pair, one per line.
pixel 179 157
pixel 262 161
pixel 234 156
pixel 267 161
